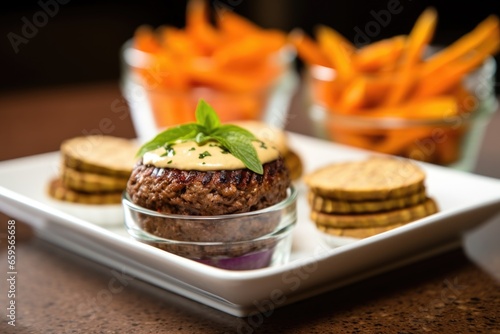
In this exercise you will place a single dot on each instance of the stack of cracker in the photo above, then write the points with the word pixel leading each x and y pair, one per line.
pixel 94 170
pixel 363 198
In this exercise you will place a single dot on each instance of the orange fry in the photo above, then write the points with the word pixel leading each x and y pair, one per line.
pixel 452 75
pixel 354 95
pixel 199 27
pixel 420 36
pixel 145 39
pixel 177 41
pixel 249 49
pixel 377 87
pixel 435 108
pixel 234 25
pixel 307 49
pixel 483 33
pixel 397 140
pixel 332 45
pixel 347 136
pixel 345 44
pixel 376 56
pixel 226 81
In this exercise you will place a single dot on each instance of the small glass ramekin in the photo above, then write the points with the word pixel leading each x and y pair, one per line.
pixel 242 241
pixel 450 140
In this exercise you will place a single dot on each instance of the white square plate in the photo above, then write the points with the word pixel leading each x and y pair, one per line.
pixel 465 201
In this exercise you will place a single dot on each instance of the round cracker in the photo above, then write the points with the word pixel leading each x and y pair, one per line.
pixel 58 191
pixel 328 205
pixel 91 182
pixel 378 219
pixel 100 154
pixel 376 178
pixel 359 233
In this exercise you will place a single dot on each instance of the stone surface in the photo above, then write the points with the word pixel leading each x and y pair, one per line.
pixel 60 292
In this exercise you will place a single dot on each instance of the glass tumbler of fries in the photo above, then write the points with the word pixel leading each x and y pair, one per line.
pixel 402 96
pixel 244 71
pixel 453 139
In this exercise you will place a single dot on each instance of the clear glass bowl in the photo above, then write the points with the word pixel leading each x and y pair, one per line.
pixel 452 141
pixel 243 241
pixel 155 106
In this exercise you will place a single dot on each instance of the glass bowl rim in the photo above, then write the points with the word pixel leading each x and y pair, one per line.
pixel 292 194
pixel 140 234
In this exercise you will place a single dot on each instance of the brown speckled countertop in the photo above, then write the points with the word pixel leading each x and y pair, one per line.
pixel 60 292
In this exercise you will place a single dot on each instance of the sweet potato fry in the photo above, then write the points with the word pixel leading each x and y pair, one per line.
pixel 228 81
pixel 435 108
pixel 163 106
pixel 378 55
pixel 347 136
pixel 307 49
pixel 396 140
pixel 234 26
pixel 177 41
pixel 145 39
pixel 450 76
pixel 485 32
pixel 198 26
pixel 419 38
pixel 377 87
pixel 348 48
pixel 249 49
pixel 353 97
pixel 332 45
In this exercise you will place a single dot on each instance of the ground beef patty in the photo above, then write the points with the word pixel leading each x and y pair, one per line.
pixel 208 193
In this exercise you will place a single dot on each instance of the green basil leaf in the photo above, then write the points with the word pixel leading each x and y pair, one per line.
pixel 180 132
pixel 201 138
pixel 241 147
pixel 206 116
pixel 231 128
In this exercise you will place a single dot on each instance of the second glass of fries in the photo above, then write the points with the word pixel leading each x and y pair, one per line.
pixel 403 96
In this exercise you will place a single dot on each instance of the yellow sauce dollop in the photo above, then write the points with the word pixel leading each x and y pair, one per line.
pixel 209 156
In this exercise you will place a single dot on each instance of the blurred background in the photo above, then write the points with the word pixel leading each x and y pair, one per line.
pixel 60 58
pixel 79 41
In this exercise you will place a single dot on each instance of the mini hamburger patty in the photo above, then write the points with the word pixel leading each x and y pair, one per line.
pixel 207 193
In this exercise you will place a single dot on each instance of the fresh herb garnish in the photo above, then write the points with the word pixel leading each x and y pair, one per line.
pixel 169 151
pixel 204 154
pixel 235 139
